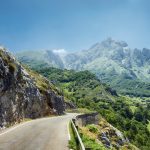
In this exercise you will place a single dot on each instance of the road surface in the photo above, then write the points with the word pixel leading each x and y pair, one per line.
pixel 40 134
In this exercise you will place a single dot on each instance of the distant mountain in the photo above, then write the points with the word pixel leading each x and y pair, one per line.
pixel 40 58
pixel 112 61
pixel 112 57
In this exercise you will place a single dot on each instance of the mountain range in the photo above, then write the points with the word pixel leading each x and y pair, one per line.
pixel 112 61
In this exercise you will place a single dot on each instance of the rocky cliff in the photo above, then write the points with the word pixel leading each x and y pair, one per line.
pixel 85 119
pixel 24 93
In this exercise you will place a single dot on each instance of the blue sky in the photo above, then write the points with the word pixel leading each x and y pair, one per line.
pixel 73 24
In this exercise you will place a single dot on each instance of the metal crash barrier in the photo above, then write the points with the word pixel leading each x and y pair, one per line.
pixel 79 141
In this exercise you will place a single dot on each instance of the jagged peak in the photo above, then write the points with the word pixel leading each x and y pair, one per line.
pixel 109 42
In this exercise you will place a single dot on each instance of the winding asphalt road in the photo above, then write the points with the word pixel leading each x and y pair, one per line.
pixel 40 134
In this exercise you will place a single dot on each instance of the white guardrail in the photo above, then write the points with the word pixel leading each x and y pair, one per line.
pixel 81 145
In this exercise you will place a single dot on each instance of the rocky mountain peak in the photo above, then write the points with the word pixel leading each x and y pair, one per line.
pixel 146 54
pixel 110 43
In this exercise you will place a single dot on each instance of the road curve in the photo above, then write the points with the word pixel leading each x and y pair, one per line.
pixel 40 134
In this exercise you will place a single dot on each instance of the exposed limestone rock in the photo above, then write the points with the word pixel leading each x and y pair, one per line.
pixel 110 136
pixel 20 96
pixel 70 105
pixel 103 133
pixel 85 119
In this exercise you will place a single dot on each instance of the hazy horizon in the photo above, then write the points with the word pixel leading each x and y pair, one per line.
pixel 73 25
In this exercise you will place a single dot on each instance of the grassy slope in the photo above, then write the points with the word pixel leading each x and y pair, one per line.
pixel 72 143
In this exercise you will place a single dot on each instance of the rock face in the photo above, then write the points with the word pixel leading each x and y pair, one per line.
pixel 98 129
pixel 85 119
pixel 41 58
pixel 110 136
pixel 70 105
pixel 23 95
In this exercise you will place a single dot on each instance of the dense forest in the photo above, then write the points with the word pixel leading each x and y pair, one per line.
pixel 127 86
pixel 129 115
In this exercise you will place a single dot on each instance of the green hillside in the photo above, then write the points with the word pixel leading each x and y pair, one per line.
pixel 85 90
pixel 128 86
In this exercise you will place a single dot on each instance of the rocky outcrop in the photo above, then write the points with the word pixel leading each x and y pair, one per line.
pixel 110 136
pixel 85 119
pixel 103 133
pixel 24 94
pixel 70 105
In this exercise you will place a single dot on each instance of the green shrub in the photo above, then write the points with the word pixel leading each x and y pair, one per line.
pixel 91 143
pixel 12 67
pixel 92 128
pixel 72 141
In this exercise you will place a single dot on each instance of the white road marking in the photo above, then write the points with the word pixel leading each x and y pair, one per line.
pixel 24 123
pixel 13 128
pixel 19 125
pixel 68 132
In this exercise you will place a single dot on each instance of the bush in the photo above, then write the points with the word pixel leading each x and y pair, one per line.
pixel 92 128
pixel 91 143
pixel 12 67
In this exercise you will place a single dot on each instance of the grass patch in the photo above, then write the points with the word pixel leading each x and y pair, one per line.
pixel 79 110
pixel 84 110
pixel 148 126
pixel 91 143
pixel 89 138
pixel 72 142
pixel 133 108
pixel 12 67
pixel 92 128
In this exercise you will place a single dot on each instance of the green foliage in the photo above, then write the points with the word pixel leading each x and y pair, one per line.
pixel 83 88
pixel 12 67
pixel 8 61
pixel 72 141
pixel 148 126
pixel 92 128
pixel 134 125
pixel 42 83
pixel 5 57
pixel 86 91
pixel 131 87
pixel 91 143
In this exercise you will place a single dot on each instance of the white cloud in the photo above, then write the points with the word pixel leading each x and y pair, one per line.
pixel 60 51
